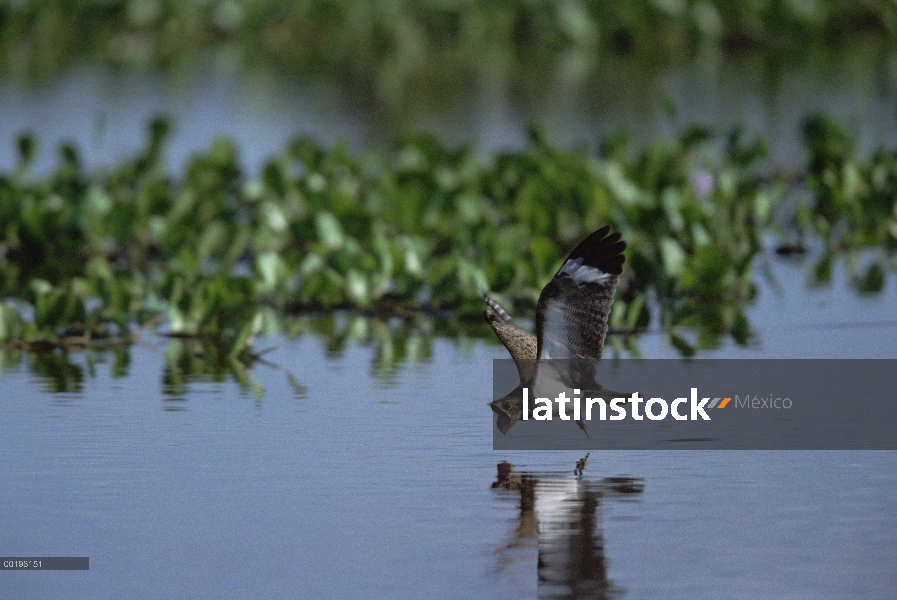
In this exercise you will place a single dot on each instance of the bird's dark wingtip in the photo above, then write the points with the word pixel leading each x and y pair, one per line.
pixel 603 250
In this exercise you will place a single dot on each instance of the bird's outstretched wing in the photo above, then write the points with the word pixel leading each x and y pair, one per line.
pixel 571 323
pixel 571 317
pixel 521 344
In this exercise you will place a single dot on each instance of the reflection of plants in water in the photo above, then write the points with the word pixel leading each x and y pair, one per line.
pixel 61 372
pixel 394 342
pixel 57 371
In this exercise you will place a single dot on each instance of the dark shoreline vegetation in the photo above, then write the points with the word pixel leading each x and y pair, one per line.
pixel 90 260
pixel 386 50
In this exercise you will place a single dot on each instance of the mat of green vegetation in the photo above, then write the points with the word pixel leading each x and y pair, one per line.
pixel 90 258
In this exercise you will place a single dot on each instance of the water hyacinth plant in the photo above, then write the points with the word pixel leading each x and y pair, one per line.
pixel 211 254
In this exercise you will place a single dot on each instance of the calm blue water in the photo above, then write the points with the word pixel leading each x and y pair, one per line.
pixel 361 488
pixel 105 111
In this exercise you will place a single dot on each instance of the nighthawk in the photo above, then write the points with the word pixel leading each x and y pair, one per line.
pixel 571 322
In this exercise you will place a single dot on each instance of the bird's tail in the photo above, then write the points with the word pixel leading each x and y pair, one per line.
pixel 497 308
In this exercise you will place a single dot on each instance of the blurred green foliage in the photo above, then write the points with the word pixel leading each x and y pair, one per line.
pixel 387 46
pixel 87 259
pixel 855 200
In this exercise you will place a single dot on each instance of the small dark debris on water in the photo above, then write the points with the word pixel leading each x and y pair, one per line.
pixel 625 485
pixel 791 250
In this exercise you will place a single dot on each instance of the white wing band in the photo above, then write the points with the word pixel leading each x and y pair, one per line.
pixel 581 273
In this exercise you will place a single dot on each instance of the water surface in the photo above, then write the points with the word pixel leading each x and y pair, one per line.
pixel 105 111
pixel 365 486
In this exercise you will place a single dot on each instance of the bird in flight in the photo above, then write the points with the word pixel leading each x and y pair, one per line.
pixel 571 321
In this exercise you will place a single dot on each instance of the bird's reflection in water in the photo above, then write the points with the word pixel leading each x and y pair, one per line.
pixel 559 511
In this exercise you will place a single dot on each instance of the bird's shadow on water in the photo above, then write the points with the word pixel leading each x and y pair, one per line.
pixel 560 514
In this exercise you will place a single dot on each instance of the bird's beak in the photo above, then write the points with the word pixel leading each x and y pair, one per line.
pixel 505 421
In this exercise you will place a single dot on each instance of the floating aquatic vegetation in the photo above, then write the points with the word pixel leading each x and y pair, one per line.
pixel 855 202
pixel 88 259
